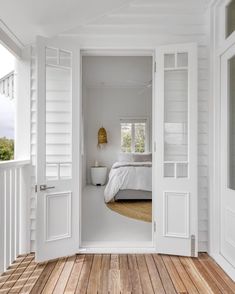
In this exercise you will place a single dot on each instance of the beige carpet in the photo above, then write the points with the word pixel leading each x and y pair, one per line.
pixel 140 210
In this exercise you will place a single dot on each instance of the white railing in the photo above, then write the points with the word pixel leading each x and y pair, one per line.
pixel 14 210
pixel 7 85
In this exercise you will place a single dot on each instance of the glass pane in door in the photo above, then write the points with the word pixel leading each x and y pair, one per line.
pixel 231 122
pixel 176 118
pixel 230 18
pixel 58 116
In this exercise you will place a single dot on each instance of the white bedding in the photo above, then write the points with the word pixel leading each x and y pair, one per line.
pixel 128 175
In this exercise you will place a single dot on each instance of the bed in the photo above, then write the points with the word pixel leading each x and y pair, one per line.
pixel 130 194
pixel 130 180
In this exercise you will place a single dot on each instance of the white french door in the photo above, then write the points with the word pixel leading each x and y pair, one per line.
pixel 58 149
pixel 175 129
pixel 227 194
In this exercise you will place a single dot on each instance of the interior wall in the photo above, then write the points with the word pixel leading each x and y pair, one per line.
pixel 104 107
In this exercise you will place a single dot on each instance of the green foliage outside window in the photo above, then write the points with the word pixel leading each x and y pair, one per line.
pixel 126 142
pixel 133 137
pixel 140 137
pixel 6 149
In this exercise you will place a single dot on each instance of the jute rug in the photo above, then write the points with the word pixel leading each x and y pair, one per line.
pixel 140 210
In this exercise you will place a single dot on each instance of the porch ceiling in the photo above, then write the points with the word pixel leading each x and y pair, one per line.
pixel 28 18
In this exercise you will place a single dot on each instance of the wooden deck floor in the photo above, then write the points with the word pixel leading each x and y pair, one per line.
pixel 116 274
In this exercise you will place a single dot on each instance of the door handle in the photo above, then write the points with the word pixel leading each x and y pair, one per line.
pixel 44 187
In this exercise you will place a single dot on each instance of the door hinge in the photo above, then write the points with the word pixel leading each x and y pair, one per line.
pixel 154 226
pixel 193 244
pixel 155 66
pixel 35 188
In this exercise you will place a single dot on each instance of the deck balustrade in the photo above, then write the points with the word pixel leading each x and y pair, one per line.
pixel 14 210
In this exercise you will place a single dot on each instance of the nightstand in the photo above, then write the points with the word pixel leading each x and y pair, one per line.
pixel 98 175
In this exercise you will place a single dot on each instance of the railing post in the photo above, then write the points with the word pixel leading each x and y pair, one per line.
pixel 24 225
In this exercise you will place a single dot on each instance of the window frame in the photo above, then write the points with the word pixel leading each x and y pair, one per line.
pixel 133 121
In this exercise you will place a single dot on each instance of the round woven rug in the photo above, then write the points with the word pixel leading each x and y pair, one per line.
pixel 140 210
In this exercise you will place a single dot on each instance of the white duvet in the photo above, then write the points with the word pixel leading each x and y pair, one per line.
pixel 128 175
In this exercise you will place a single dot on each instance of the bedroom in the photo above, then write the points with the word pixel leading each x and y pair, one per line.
pixel 117 151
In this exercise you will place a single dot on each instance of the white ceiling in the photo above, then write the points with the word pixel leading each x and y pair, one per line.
pixel 121 71
pixel 28 18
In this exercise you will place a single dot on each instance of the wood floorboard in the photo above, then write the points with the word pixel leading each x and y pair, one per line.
pixel 176 279
pixel 125 277
pixel 14 273
pixel 94 280
pixel 85 275
pixel 64 276
pixel 154 275
pixel 144 275
pixel 201 284
pixel 166 279
pixel 34 276
pixel 114 285
pixel 116 274
pixel 217 277
pixel 43 278
pixel 75 274
pixel 104 275
pixel 135 275
pixel 19 284
pixel 188 283
pixel 51 283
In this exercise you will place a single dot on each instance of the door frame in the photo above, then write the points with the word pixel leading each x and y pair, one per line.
pixel 122 52
pixel 219 45
pixel 126 52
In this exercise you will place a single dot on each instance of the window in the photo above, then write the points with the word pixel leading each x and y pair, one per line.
pixel 230 19
pixel 134 135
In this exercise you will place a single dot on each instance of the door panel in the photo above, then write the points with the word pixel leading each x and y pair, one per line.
pixel 175 172
pixel 58 178
pixel 228 155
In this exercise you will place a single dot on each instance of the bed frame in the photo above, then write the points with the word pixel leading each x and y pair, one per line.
pixel 133 195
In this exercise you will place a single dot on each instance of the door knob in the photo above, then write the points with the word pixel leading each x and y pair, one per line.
pixel 44 187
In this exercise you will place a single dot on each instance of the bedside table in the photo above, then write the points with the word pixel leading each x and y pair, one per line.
pixel 98 175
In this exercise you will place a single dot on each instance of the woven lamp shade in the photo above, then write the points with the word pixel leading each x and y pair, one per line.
pixel 102 136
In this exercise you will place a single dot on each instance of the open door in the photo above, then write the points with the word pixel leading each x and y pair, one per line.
pixel 227 157
pixel 58 149
pixel 175 173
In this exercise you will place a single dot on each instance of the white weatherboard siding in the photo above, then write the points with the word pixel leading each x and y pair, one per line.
pixel 146 25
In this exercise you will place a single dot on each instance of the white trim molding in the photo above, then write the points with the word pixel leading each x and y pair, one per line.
pixel 10 41
pixel 218 45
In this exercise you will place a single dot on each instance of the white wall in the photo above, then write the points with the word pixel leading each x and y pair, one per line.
pixel 104 107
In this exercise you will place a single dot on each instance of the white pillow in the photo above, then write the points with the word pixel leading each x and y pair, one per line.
pixel 125 157
pixel 142 157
